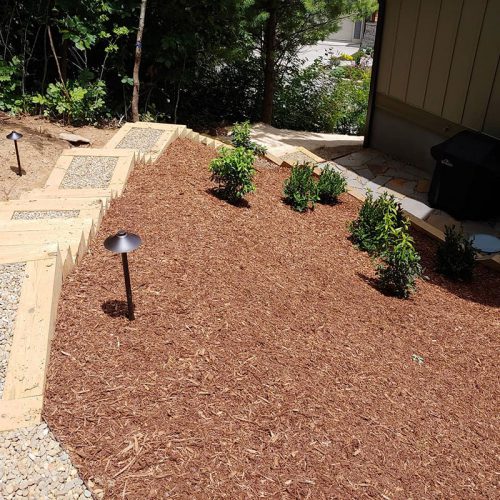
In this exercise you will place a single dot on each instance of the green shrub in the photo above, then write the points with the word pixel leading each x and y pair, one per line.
pixel 77 103
pixel 400 264
pixel 234 172
pixel 240 137
pixel 456 255
pixel 376 222
pixel 331 184
pixel 300 189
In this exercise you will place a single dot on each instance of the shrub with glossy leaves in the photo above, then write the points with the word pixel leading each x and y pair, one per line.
pixel 400 264
pixel 456 255
pixel 378 218
pixel 240 137
pixel 234 172
pixel 300 189
pixel 331 184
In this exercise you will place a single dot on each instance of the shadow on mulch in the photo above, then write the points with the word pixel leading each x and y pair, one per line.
pixel 218 193
pixel 115 308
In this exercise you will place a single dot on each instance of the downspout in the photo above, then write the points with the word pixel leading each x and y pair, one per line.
pixel 377 51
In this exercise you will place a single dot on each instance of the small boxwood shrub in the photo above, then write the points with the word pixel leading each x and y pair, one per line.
pixel 400 264
pixel 456 255
pixel 300 189
pixel 234 172
pixel 376 222
pixel 240 137
pixel 331 184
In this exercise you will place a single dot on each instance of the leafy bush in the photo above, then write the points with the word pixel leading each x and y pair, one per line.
pixel 456 255
pixel 300 189
pixel 11 98
pixel 240 137
pixel 76 102
pixel 234 172
pixel 377 220
pixel 331 184
pixel 323 99
pixel 400 264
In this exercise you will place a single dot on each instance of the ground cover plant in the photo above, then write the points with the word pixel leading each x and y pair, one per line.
pixel 234 171
pixel 300 189
pixel 262 361
pixel 456 255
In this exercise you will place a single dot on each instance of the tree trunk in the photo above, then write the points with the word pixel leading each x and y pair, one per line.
pixel 270 64
pixel 137 63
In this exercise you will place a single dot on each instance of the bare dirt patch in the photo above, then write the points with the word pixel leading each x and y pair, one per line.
pixel 39 150
pixel 263 362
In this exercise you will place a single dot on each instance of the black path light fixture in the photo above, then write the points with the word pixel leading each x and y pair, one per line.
pixel 123 242
pixel 15 136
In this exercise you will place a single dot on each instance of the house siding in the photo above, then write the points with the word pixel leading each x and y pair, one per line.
pixel 439 62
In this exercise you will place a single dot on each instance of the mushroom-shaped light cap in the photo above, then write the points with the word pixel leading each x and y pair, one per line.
pixel 122 242
pixel 14 136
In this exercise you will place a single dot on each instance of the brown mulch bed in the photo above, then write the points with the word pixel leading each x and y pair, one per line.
pixel 263 361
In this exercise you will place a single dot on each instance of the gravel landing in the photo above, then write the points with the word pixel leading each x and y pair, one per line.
pixel 11 280
pixel 89 172
pixel 44 214
pixel 142 139
pixel 34 465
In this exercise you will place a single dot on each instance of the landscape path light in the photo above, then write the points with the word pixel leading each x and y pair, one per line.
pixel 15 136
pixel 123 242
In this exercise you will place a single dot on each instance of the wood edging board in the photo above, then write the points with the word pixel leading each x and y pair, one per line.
pixel 22 397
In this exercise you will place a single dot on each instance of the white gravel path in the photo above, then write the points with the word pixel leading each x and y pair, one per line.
pixel 11 281
pixel 94 172
pixel 142 139
pixel 44 214
pixel 33 465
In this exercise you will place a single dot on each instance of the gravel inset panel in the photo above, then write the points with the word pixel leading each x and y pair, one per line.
pixel 11 281
pixel 44 214
pixel 142 139
pixel 34 465
pixel 93 172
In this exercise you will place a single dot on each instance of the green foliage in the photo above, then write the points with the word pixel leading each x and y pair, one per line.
pixel 377 221
pixel 73 102
pixel 323 99
pixel 10 85
pixel 456 255
pixel 240 137
pixel 331 184
pixel 234 172
pixel 300 189
pixel 400 264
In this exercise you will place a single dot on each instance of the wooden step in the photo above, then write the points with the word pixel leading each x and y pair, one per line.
pixel 52 226
pixel 22 397
pixel 104 195
pixel 84 209
pixel 125 162
pixel 66 239
pixel 13 253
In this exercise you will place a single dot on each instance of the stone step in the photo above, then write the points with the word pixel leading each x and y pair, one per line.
pixel 22 398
